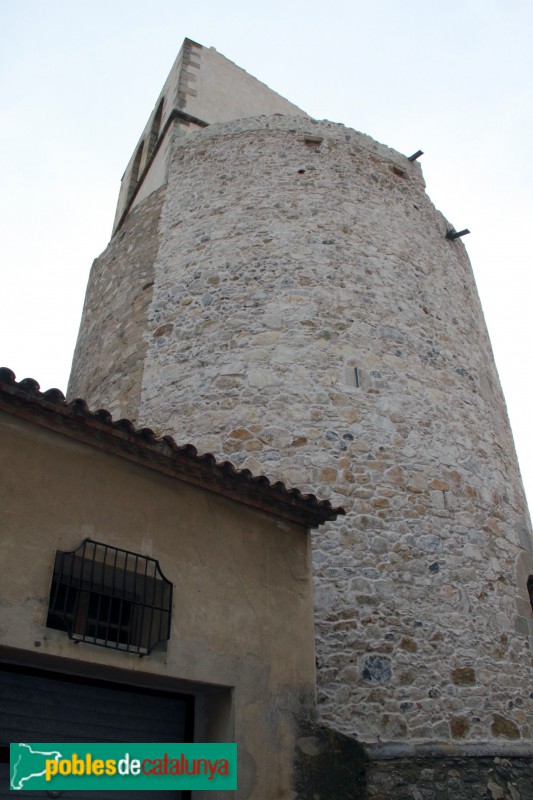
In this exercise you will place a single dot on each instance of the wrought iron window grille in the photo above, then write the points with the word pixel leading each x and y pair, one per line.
pixel 110 597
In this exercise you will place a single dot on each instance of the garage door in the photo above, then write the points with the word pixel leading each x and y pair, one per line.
pixel 43 707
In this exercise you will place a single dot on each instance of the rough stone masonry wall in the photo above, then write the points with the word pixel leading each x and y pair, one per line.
pixel 284 263
pixel 450 779
pixel 109 356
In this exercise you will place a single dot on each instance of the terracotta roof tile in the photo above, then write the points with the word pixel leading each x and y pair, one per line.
pixel 97 428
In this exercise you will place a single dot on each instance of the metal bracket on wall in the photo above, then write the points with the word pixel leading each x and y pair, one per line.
pixel 456 234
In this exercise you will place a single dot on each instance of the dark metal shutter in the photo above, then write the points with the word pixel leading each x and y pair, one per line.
pixel 39 707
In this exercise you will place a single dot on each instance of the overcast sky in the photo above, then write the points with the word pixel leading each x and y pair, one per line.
pixel 79 80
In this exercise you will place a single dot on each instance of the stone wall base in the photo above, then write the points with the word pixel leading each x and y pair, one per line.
pixel 332 766
pixel 438 778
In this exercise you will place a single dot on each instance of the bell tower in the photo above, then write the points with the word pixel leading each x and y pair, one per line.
pixel 282 293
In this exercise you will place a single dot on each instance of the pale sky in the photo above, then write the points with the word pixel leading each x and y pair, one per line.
pixel 79 80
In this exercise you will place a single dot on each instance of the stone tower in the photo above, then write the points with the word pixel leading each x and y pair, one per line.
pixel 281 292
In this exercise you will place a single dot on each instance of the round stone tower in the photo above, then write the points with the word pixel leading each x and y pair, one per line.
pixel 281 293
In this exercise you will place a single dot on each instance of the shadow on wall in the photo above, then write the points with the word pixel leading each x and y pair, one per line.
pixel 329 765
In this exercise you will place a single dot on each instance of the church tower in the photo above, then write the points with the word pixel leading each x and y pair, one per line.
pixel 282 293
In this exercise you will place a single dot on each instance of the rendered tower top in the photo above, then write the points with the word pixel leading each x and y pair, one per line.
pixel 281 292
pixel 203 87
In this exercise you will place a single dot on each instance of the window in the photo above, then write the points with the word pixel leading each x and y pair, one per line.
pixel 156 125
pixel 110 597
pixel 134 178
pixel 530 590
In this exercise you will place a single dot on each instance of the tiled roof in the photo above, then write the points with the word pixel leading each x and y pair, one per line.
pixel 122 438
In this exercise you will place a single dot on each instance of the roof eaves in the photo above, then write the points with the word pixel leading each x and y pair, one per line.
pixel 122 438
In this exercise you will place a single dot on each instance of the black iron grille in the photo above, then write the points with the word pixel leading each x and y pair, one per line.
pixel 110 597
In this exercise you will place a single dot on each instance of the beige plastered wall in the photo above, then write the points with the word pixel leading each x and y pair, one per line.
pixel 204 84
pixel 242 605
